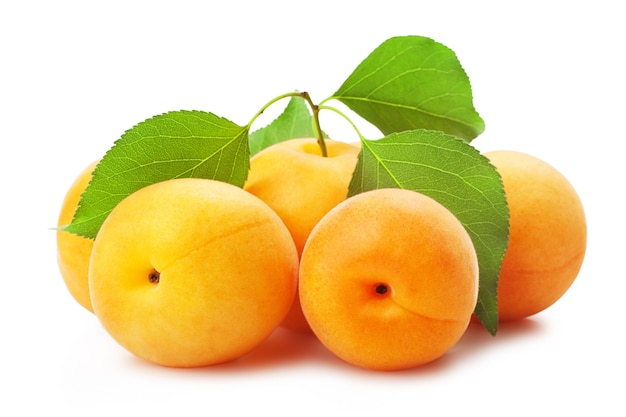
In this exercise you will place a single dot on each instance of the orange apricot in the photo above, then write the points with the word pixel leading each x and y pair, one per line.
pixel 192 272
pixel 301 186
pixel 548 235
pixel 388 279
pixel 73 251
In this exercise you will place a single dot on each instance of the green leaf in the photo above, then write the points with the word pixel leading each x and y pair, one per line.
pixel 412 82
pixel 451 171
pixel 294 122
pixel 172 145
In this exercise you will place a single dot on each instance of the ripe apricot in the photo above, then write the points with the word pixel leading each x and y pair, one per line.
pixel 301 185
pixel 548 235
pixel 73 251
pixel 389 279
pixel 192 272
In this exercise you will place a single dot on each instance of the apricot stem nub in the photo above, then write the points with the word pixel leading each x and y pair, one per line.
pixel 154 277
pixel 381 289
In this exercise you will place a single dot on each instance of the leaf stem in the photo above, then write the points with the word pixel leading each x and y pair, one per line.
pixel 269 103
pixel 342 114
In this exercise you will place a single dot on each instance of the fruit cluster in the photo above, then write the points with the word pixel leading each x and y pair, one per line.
pixel 195 272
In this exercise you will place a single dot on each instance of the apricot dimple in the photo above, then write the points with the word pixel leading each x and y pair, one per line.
pixel 381 289
pixel 154 277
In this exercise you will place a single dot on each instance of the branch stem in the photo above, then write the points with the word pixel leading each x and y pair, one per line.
pixel 314 108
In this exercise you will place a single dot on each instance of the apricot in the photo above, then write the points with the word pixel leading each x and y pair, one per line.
pixel 73 251
pixel 301 186
pixel 548 235
pixel 192 272
pixel 388 280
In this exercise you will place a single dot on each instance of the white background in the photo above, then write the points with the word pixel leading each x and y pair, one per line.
pixel 74 76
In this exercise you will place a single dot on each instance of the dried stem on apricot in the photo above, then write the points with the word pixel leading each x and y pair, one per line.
pixel 381 289
pixel 154 276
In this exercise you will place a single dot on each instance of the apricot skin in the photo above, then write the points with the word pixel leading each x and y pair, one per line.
pixel 73 251
pixel 301 186
pixel 192 272
pixel 548 235
pixel 389 280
